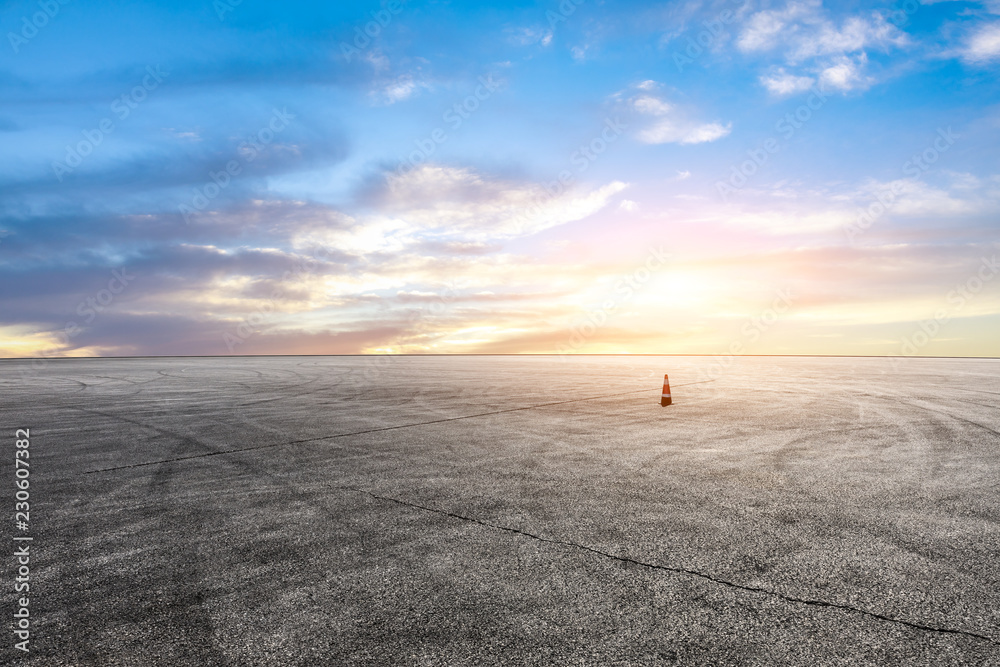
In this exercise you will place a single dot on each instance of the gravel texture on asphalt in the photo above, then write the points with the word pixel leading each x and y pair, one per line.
pixel 509 510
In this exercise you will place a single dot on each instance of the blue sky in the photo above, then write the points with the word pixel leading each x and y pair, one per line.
pixel 544 177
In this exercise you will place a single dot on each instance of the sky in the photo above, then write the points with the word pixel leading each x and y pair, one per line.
pixel 246 177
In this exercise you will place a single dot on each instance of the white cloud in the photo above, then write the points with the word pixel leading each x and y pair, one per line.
pixel 530 35
pixel 983 46
pixel 355 237
pixel 377 60
pixel 628 205
pixel 791 221
pixel 904 201
pixel 396 91
pixel 445 201
pixel 766 29
pixel 653 106
pixel 917 199
pixel 783 83
pixel 671 125
pixel 845 74
pixel 668 131
pixel 454 208
pixel 964 181
pixel 854 36
pixel 816 46
pixel 806 32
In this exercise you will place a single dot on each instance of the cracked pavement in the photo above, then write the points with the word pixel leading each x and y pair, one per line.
pixel 512 510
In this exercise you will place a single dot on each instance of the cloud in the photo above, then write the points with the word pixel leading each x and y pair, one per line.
pixel 163 173
pixel 783 83
pixel 397 91
pixel 331 280
pixel 671 125
pixel 668 131
pixel 834 55
pixel 845 74
pixel 529 35
pixel 855 35
pixel 912 204
pixel 805 32
pixel 652 106
pixel 983 46
pixel 913 199
pixel 536 340
pixel 763 29
pixel 359 238
pixel 442 201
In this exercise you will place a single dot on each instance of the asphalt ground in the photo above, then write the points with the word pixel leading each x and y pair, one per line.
pixel 507 511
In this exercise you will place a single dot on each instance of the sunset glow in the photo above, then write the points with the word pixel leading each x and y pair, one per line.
pixel 584 177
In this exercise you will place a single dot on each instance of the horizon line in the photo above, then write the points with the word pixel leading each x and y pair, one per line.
pixel 497 354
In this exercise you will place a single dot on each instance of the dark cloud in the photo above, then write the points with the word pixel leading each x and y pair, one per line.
pixel 172 165
pixel 53 296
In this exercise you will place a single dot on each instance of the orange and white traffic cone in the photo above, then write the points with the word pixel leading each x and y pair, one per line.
pixel 665 397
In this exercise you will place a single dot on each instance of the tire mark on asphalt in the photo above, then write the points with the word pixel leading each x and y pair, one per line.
pixel 678 570
pixel 286 397
pixel 185 606
pixel 896 399
pixel 377 430
pixel 184 439
pixel 962 419
pixel 109 377
pixel 976 391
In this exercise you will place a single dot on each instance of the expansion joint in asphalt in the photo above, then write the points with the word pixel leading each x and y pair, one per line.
pixel 677 570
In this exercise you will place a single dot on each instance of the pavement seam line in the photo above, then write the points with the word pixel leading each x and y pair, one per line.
pixel 373 430
pixel 677 570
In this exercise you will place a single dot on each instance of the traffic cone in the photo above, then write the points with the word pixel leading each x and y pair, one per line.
pixel 665 397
